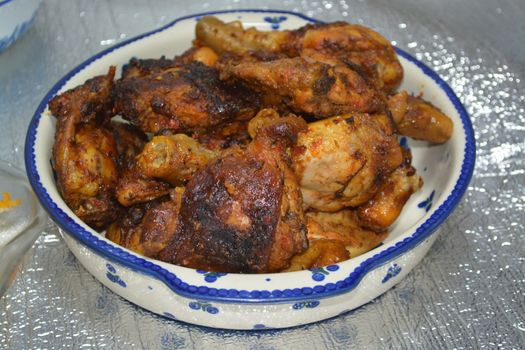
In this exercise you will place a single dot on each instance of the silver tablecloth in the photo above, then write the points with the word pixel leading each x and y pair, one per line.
pixel 469 292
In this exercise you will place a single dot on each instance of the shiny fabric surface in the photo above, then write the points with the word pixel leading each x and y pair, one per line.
pixel 468 292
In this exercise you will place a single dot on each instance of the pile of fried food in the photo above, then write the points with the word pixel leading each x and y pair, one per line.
pixel 251 152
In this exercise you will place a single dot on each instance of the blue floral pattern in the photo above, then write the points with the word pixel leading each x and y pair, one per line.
pixel 393 271
pixel 403 142
pixel 204 306
pixel 427 203
pixel 318 274
pixel 211 276
pixel 275 21
pixel 111 274
pixel 306 304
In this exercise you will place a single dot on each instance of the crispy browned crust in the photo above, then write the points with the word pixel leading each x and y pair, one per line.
pixel 85 153
pixel 148 227
pixel 215 233
pixel 308 87
pixel 89 102
pixel 354 46
pixel 243 211
pixel 142 67
pixel 188 98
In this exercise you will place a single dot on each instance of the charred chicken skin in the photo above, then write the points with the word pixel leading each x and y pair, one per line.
pixel 243 211
pixel 148 227
pixel 186 98
pixel 307 87
pixel 144 67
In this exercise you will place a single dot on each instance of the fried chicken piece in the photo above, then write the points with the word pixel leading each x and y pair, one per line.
pixel 340 162
pixel 173 158
pixel 344 226
pixel 384 208
pixel 190 97
pixel 307 87
pixel 133 187
pixel 419 119
pixel 129 141
pixel 85 153
pixel 335 237
pixel 149 227
pixel 243 211
pixel 339 43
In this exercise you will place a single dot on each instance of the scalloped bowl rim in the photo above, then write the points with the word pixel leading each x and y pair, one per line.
pixel 159 270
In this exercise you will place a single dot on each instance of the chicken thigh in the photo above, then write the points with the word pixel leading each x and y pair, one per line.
pixel 243 211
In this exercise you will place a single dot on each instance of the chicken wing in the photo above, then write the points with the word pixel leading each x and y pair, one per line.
pixel 85 154
pixel 233 38
pixel 340 162
pixel 243 211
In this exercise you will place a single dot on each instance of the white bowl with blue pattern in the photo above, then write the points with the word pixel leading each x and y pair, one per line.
pixel 259 301
pixel 16 17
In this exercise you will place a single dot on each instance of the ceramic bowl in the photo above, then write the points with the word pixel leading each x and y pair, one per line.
pixel 16 17
pixel 259 301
